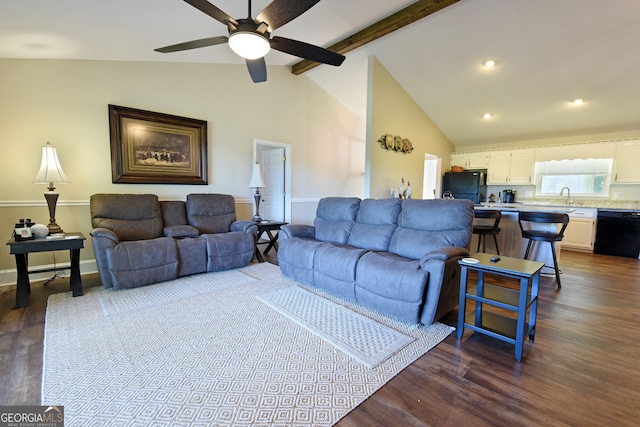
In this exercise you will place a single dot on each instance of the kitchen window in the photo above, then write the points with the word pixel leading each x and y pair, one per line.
pixel 585 177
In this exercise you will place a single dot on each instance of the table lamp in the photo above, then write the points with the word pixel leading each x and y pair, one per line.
pixel 257 182
pixel 51 172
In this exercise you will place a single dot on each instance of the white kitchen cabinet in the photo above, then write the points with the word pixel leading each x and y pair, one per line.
pixel 521 167
pixel 627 157
pixel 498 169
pixel 475 160
pixel 580 234
pixel 459 159
pixel 513 167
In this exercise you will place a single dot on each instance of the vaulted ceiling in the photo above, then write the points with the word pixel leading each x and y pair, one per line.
pixel 547 53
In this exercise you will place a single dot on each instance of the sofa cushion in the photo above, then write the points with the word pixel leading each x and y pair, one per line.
pixel 179 231
pixel 138 263
pixel 228 250
pixel 174 212
pixel 392 284
pixel 375 224
pixel 295 258
pixel 335 268
pixel 192 256
pixel 335 217
pixel 129 216
pixel 424 225
pixel 211 213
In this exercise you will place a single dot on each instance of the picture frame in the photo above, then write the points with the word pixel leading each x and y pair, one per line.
pixel 156 148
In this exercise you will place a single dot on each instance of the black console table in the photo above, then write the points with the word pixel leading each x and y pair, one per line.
pixel 268 227
pixel 72 242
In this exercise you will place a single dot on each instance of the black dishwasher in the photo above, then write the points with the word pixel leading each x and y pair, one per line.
pixel 618 233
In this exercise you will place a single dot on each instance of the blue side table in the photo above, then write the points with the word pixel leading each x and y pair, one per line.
pixel 523 301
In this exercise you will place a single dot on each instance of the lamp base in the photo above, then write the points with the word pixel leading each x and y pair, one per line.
pixel 256 197
pixel 54 228
pixel 52 199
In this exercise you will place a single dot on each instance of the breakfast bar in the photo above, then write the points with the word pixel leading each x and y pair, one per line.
pixel 510 240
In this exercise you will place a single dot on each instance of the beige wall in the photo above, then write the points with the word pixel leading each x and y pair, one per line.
pixel 65 102
pixel 391 110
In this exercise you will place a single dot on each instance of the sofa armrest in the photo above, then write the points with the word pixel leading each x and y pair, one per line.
pixel 443 254
pixel 297 230
pixel 443 288
pixel 245 226
pixel 105 233
pixel 178 231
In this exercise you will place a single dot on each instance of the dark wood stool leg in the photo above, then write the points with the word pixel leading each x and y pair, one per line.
pixel 526 253
pixel 495 239
pixel 555 263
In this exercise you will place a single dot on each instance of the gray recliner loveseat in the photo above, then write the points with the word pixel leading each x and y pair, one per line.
pixel 139 240
pixel 399 257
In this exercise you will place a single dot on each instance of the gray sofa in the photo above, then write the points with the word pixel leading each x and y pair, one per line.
pixel 396 256
pixel 138 240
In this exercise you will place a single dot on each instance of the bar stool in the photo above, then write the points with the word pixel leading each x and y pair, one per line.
pixel 484 229
pixel 544 236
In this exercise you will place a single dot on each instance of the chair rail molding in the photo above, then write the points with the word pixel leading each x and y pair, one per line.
pixel 29 203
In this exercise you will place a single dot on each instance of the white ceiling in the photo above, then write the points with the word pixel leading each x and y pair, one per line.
pixel 547 52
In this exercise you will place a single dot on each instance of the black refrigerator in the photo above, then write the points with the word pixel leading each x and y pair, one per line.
pixel 470 185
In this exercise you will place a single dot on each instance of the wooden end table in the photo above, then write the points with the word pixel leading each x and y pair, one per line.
pixel 522 301
pixel 267 226
pixel 72 242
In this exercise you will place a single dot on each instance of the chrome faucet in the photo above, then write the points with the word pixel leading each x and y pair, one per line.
pixel 568 194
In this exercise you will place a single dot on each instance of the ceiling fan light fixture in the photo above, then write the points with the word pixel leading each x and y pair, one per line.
pixel 249 45
pixel 489 63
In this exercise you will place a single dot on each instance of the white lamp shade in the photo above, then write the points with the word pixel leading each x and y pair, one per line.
pixel 256 177
pixel 249 45
pixel 50 169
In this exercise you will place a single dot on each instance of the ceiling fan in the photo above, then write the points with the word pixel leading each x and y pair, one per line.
pixel 251 38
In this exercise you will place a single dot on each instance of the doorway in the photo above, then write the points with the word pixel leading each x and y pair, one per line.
pixel 275 161
pixel 432 181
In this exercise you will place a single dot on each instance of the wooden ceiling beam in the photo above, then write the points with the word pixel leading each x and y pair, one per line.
pixel 391 23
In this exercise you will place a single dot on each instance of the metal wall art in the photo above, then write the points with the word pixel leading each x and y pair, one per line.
pixel 396 143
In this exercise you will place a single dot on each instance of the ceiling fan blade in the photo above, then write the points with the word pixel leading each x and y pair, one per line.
pixel 306 51
pixel 193 44
pixel 257 69
pixel 279 12
pixel 206 7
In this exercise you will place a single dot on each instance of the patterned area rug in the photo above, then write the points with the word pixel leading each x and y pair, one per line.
pixel 186 355
pixel 364 339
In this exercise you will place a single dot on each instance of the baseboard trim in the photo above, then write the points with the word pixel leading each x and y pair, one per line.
pixel 10 276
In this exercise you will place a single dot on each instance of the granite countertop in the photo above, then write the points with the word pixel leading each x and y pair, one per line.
pixel 556 205
pixel 584 203
pixel 518 207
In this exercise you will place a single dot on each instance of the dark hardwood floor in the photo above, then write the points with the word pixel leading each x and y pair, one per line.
pixel 581 370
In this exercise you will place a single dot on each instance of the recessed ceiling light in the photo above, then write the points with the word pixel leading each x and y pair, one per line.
pixel 489 63
pixel 577 101
pixel 487 115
